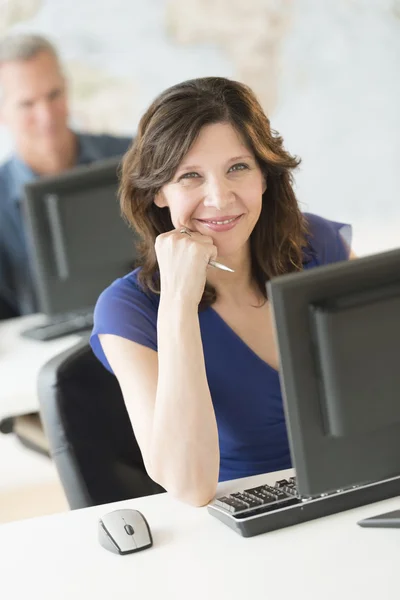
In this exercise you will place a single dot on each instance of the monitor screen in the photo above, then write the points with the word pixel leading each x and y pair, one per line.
pixel 338 334
pixel 78 239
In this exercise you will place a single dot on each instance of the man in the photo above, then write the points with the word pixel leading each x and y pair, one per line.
pixel 34 108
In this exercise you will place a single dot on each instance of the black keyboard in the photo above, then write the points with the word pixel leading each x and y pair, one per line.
pixel 60 326
pixel 267 508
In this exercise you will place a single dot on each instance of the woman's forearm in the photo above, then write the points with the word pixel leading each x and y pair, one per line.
pixel 184 443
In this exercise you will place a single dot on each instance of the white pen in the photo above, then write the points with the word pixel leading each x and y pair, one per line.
pixel 219 265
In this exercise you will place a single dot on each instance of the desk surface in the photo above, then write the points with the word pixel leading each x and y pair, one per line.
pixel 196 557
pixel 20 362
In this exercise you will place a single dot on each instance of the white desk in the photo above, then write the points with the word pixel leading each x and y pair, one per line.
pixel 20 362
pixel 195 557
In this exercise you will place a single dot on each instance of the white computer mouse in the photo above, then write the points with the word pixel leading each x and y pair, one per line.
pixel 124 531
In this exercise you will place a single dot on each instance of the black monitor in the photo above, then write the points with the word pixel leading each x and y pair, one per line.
pixel 338 333
pixel 79 242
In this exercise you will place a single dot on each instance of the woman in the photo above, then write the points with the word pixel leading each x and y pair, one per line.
pixel 192 346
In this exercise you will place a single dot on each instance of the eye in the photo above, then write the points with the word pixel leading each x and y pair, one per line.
pixel 26 104
pixel 239 167
pixel 55 94
pixel 191 175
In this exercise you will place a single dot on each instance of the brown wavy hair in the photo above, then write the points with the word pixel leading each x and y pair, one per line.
pixel 166 133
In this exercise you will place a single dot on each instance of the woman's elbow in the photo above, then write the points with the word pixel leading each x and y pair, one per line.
pixel 193 494
pixel 198 498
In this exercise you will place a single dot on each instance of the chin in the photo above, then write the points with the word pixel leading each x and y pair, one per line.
pixel 53 143
pixel 230 250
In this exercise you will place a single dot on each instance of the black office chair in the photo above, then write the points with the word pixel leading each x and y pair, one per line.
pixel 89 432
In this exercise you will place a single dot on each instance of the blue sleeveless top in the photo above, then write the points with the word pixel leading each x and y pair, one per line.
pixel 245 390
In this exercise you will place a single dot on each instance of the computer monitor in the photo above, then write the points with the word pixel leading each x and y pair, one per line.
pixel 78 239
pixel 338 333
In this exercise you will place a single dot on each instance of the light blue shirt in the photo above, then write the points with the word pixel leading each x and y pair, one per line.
pixel 16 281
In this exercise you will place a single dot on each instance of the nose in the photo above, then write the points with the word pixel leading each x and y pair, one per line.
pixel 44 114
pixel 219 195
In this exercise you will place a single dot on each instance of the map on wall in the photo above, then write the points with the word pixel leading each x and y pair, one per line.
pixel 225 36
pixel 325 72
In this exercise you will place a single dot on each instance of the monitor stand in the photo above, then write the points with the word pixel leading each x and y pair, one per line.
pixel 389 520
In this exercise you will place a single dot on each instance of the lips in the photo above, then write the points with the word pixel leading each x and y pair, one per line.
pixel 223 223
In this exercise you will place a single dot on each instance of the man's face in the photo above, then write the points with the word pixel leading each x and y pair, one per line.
pixel 33 103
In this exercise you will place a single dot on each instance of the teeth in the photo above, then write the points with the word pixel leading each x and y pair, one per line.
pixel 222 222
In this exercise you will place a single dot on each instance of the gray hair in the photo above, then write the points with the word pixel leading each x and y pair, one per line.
pixel 24 47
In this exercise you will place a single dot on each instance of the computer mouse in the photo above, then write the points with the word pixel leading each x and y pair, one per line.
pixel 124 531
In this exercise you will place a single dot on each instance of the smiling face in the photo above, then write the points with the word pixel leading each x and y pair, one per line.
pixel 217 189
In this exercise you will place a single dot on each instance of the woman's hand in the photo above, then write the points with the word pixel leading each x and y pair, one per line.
pixel 183 261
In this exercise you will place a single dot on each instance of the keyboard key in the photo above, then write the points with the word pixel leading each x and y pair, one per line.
pixel 280 495
pixel 230 504
pixel 281 483
pixel 252 501
pixel 264 499
pixel 261 489
pixel 241 497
